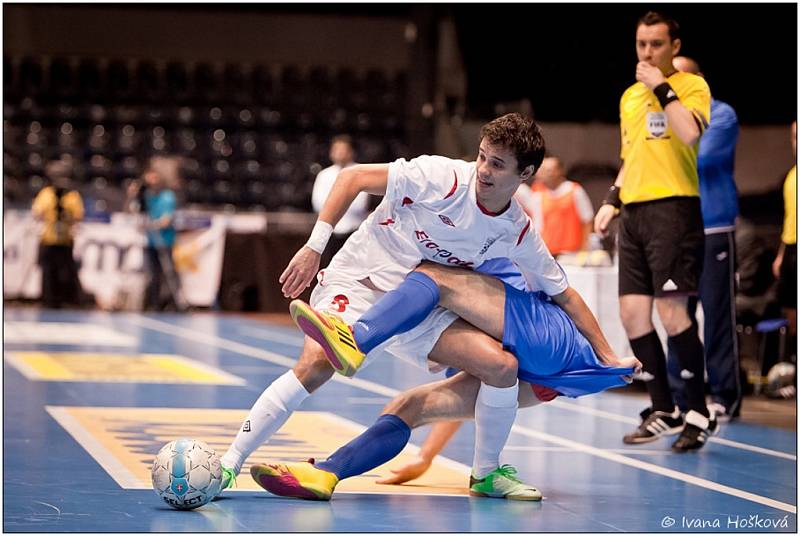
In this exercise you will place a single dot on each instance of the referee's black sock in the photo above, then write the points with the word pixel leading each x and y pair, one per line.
pixel 689 350
pixel 649 351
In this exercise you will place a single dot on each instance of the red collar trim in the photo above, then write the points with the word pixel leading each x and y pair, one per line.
pixel 489 212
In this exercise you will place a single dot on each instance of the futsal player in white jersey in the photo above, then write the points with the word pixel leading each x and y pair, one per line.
pixel 446 211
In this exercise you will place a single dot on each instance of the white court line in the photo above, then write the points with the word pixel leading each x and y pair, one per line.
pixel 571 406
pixel 244 349
pixel 657 469
pixel 264 335
pixel 107 461
pixel 22 367
pixel 634 452
pixel 250 351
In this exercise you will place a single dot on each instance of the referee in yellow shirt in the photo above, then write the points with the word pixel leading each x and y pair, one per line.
pixel 661 240
pixel 785 265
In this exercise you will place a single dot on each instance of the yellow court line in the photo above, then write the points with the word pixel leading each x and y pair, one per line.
pixel 46 367
pixel 181 370
pixel 124 440
pixel 109 367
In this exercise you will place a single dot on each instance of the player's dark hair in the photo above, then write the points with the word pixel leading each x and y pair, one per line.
pixel 518 134
pixel 651 17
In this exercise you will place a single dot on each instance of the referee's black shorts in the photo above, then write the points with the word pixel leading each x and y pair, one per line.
pixel 661 247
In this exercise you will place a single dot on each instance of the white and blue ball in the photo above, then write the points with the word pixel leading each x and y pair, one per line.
pixel 186 474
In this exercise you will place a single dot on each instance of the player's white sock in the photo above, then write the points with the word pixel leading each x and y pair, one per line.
pixel 495 411
pixel 271 410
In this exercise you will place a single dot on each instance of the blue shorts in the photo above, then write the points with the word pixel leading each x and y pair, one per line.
pixel 550 349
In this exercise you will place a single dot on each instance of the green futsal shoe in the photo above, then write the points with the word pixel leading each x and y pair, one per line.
pixel 228 479
pixel 502 484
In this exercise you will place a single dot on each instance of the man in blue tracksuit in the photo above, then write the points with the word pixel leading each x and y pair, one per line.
pixel 719 203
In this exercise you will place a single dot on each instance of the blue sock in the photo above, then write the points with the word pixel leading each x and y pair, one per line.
pixel 397 311
pixel 377 445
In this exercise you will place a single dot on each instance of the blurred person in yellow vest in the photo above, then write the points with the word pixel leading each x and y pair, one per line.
pixel 561 210
pixel 59 208
pixel 785 265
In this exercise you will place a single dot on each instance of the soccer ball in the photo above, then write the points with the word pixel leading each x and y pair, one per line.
pixel 186 474
pixel 780 381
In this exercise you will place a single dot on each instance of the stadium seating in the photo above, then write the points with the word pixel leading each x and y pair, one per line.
pixel 252 136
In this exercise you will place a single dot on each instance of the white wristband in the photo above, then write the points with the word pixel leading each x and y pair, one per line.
pixel 319 236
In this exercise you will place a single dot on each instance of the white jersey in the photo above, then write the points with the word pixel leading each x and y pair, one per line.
pixel 430 212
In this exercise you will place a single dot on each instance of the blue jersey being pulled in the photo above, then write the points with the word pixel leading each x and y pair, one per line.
pixel 715 157
pixel 550 349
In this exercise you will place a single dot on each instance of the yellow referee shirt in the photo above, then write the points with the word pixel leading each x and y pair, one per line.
pixel 657 163
pixel 789 234
pixel 57 232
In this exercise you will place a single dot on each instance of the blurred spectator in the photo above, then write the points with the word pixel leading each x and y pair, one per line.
pixel 156 199
pixel 720 208
pixel 342 156
pixel 785 265
pixel 560 209
pixel 59 207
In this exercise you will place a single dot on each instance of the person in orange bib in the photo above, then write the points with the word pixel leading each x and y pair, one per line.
pixel 560 208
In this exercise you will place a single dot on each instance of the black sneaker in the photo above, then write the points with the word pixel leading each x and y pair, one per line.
pixel 696 432
pixel 655 424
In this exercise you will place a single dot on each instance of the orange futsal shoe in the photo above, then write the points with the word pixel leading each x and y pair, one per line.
pixel 300 480
pixel 332 333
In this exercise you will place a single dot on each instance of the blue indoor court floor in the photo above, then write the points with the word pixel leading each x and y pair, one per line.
pixel 90 397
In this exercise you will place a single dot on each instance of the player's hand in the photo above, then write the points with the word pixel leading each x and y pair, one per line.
pixel 409 471
pixel 299 272
pixel 649 75
pixel 603 218
pixel 630 362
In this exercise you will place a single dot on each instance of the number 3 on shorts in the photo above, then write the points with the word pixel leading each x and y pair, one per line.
pixel 340 301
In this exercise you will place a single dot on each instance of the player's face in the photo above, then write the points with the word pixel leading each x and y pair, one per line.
pixel 654 46
pixel 498 176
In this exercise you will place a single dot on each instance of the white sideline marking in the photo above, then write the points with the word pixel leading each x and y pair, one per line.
pixel 657 469
pixel 257 353
pixel 265 355
pixel 634 452
pixel 263 334
pixel 571 406
pixel 101 455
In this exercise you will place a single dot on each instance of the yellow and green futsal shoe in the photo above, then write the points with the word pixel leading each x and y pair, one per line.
pixel 503 484
pixel 300 480
pixel 228 479
pixel 332 333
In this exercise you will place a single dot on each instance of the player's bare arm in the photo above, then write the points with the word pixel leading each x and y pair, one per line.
pixel 572 303
pixel 370 178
